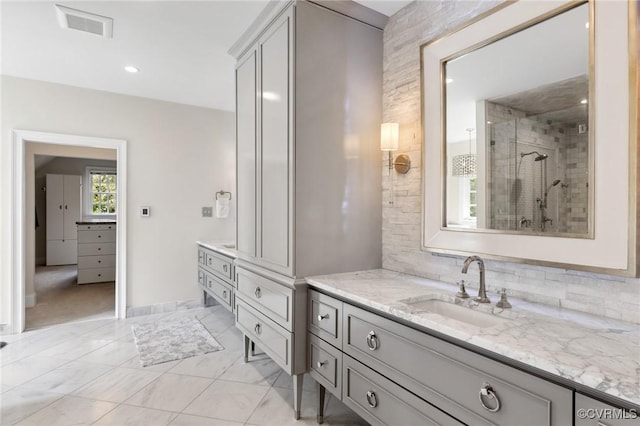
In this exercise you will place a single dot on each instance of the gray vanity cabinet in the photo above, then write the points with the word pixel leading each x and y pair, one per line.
pixel 215 276
pixel 395 374
pixel 591 412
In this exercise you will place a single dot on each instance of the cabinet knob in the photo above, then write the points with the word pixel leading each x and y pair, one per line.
pixel 372 399
pixel 224 294
pixel 258 292
pixel 60 206
pixel 66 207
pixel 99 248
pixel 99 261
pixel 225 268
pixel 372 340
pixel 258 329
pixel 321 363
pixel 99 275
pixel 321 317
pixel 487 391
pixel 99 236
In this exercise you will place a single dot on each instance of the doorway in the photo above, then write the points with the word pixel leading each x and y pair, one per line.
pixel 87 187
pixel 22 255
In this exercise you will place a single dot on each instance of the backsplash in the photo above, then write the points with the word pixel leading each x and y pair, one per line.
pixel 421 21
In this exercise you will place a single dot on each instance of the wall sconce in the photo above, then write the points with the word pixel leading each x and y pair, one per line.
pixel 389 135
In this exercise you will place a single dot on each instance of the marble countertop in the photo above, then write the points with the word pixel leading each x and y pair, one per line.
pixel 592 352
pixel 225 248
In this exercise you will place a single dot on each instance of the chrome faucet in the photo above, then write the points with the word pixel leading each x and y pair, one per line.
pixel 482 292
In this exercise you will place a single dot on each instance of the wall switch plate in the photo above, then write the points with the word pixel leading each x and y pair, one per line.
pixel 145 211
pixel 207 212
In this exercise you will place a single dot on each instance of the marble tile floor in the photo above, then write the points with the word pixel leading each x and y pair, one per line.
pixel 60 299
pixel 88 373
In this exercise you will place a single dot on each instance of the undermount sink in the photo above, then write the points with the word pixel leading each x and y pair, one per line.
pixel 455 312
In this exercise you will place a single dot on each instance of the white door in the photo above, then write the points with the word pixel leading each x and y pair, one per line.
pixel 72 206
pixel 55 207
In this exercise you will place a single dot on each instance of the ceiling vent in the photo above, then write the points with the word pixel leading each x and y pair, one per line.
pixel 84 21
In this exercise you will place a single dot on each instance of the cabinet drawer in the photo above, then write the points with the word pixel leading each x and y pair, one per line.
pixel 94 249
pixel 591 412
pixel 201 278
pixel 201 256
pixel 96 275
pixel 273 339
pixel 382 402
pixel 108 236
pixel 452 378
pixel 103 261
pixel 325 365
pixel 265 295
pixel 221 290
pixel 104 227
pixel 325 318
pixel 218 265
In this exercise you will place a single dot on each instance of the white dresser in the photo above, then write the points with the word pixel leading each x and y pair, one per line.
pixel 96 252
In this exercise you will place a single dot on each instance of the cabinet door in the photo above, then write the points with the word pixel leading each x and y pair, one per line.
pixel 246 93
pixel 275 151
pixel 71 207
pixel 55 207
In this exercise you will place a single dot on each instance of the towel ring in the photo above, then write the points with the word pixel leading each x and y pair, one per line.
pixel 221 193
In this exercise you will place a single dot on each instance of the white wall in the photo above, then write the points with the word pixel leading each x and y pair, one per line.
pixel 178 156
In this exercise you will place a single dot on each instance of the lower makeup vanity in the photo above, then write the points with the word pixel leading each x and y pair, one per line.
pixel 394 372
pixel 216 275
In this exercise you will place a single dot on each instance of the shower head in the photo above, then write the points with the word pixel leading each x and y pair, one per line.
pixel 539 157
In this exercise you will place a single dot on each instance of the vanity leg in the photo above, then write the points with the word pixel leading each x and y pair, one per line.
pixel 253 348
pixel 320 416
pixel 297 395
pixel 246 348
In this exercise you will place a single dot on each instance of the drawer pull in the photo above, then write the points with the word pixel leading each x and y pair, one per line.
pixel 372 399
pixel 321 317
pixel 99 236
pixel 487 390
pixel 224 294
pixel 372 340
pixel 257 329
pixel 320 364
pixel 225 268
pixel 258 292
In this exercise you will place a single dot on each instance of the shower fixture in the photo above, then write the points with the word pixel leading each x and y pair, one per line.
pixel 539 157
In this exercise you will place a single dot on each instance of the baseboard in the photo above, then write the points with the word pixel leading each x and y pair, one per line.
pixel 30 300
pixel 134 311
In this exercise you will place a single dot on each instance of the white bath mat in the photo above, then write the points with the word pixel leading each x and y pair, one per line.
pixel 172 339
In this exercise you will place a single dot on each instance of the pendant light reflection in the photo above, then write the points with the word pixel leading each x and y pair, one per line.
pixel 464 165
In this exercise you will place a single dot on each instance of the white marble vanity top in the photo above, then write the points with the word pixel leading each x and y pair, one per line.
pixel 225 248
pixel 591 351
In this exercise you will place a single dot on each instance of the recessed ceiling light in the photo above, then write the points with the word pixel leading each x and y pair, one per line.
pixel 131 69
pixel 584 101
pixel 449 80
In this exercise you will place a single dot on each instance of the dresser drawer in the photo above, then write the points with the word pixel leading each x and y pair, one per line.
pixel 96 275
pixel 94 249
pixel 270 297
pixel 221 290
pixel 325 318
pixel 325 365
pixel 102 261
pixel 591 412
pixel 218 265
pixel 269 336
pixel 452 378
pixel 104 227
pixel 107 236
pixel 381 402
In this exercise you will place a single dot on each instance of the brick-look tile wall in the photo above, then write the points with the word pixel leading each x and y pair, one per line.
pixel 407 30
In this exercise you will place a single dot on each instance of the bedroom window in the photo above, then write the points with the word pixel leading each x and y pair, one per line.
pixel 102 191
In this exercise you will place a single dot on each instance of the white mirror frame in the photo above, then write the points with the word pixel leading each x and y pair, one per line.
pixel 613 248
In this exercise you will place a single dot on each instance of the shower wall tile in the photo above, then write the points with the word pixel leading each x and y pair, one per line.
pixel 406 31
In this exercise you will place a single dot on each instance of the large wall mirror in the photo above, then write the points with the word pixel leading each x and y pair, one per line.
pixel 530 136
